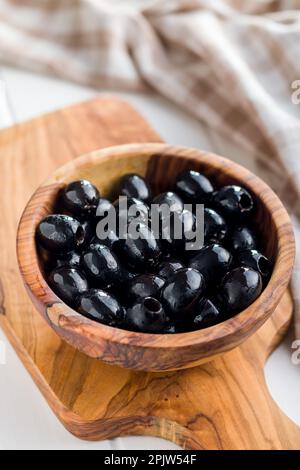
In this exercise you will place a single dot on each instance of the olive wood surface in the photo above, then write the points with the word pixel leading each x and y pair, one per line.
pixel 223 404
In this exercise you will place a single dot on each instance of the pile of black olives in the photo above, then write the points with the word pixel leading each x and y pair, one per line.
pixel 150 284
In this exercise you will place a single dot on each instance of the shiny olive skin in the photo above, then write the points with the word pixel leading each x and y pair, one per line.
pixel 194 187
pixel 187 221
pixel 109 238
pixel 146 315
pixel 68 283
pixel 181 292
pixel 80 198
pixel 208 314
pixel 234 201
pixel 167 268
pixel 128 209
pixel 170 200
pixel 89 228
pixel 142 253
pixel 255 260
pixel 213 261
pixel 145 285
pixel 242 238
pixel 101 265
pixel 215 227
pixel 101 307
pixel 135 186
pixel 71 259
pixel 103 208
pixel 60 233
pixel 239 288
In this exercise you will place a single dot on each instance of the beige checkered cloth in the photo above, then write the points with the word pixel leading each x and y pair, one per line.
pixel 233 64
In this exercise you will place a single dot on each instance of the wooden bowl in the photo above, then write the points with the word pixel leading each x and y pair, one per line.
pixel 161 164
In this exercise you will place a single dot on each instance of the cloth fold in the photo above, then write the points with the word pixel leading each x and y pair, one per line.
pixel 234 64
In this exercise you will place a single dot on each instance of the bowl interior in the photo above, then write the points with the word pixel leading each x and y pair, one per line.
pixel 162 170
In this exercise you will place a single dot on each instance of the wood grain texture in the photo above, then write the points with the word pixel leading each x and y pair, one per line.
pixel 223 404
pixel 153 352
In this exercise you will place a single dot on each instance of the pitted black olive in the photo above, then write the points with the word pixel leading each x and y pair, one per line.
pixel 134 186
pixel 255 260
pixel 102 307
pixel 179 231
pixel 234 201
pixel 215 227
pixel 101 265
pixel 239 288
pixel 103 208
pixel 147 314
pixel 181 292
pixel 60 233
pixel 213 261
pixel 208 314
pixel 169 201
pixel 142 251
pixel 68 283
pixel 145 285
pixel 243 238
pixel 194 187
pixel 81 198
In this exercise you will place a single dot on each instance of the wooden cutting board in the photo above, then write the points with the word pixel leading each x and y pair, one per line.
pixel 224 404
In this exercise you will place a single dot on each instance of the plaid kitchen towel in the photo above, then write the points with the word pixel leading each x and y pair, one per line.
pixel 234 64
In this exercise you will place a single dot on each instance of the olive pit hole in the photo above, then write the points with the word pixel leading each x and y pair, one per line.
pixel 246 202
pixel 263 265
pixel 152 305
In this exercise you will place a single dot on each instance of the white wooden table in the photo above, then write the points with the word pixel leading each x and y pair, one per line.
pixel 26 421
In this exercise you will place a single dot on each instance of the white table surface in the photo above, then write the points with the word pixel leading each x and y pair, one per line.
pixel 26 421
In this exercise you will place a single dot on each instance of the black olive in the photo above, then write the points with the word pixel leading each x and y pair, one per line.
pixel 102 307
pixel 101 265
pixel 213 261
pixel 145 285
pixel 140 252
pixel 208 314
pixel 128 209
pixel 194 187
pixel 146 315
pixel 255 260
pixel 89 229
pixel 81 198
pixel 234 201
pixel 68 283
pixel 243 238
pixel 60 233
pixel 181 292
pixel 108 237
pixel 185 224
pixel 135 186
pixel 215 227
pixel 103 208
pixel 171 201
pixel 239 288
